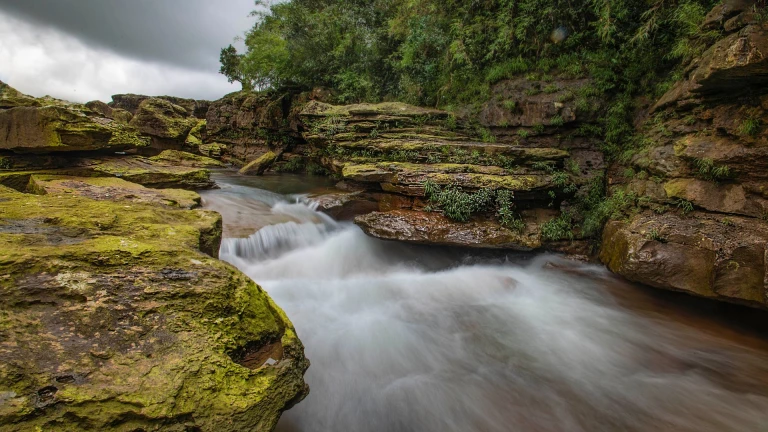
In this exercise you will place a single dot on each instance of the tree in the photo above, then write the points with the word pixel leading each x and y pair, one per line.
pixel 231 67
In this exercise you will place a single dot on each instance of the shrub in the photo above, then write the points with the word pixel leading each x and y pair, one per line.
pixel 559 228
pixel 711 172
pixel 456 204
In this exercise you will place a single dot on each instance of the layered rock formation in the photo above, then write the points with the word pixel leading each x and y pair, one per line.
pixel 392 151
pixel 114 312
pixel 701 182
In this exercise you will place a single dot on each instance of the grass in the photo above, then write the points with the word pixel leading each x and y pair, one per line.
pixel 509 105
pixel 655 235
pixel 685 205
pixel 557 121
pixel 486 135
pixel 750 127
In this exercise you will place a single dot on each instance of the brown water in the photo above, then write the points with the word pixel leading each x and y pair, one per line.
pixel 420 339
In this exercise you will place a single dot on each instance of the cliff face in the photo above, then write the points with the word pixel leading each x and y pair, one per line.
pixel 700 182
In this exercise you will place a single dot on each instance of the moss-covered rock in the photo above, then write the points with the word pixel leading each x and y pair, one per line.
pixel 408 178
pixel 258 166
pixel 154 174
pixel 110 189
pixel 195 137
pixel 58 127
pixel 12 98
pixel 435 229
pixel 112 317
pixel 708 255
pixel 161 118
pixel 180 158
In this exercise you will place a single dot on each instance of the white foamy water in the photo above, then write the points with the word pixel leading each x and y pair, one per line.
pixel 410 339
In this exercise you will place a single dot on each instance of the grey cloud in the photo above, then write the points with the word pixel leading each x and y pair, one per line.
pixel 41 60
pixel 185 33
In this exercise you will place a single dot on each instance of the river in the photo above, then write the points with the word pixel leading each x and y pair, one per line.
pixel 405 338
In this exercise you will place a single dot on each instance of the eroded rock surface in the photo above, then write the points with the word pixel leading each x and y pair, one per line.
pixel 115 315
pixel 29 125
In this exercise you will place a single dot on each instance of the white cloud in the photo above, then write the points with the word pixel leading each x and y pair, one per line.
pixel 40 61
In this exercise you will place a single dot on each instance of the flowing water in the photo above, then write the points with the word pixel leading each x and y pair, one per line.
pixel 419 339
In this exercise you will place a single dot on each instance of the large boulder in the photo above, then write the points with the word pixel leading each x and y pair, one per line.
pixel 151 173
pixel 163 119
pixel 245 125
pixel 258 166
pixel 435 229
pixel 714 256
pixel 116 316
pixel 59 128
pixel 131 102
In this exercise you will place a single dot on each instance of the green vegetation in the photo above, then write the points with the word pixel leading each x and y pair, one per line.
pixel 655 235
pixel 458 205
pixel 559 228
pixel 750 126
pixel 685 205
pixel 711 172
pixel 442 53
pixel 598 210
pixel 505 211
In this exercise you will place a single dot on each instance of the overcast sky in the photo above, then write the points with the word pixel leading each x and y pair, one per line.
pixel 82 50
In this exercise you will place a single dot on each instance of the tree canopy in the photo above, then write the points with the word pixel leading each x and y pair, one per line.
pixel 443 52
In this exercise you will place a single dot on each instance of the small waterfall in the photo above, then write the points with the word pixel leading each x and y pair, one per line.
pixel 308 227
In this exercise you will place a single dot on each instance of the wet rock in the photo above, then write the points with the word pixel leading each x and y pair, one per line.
pixel 346 205
pixel 133 326
pixel 706 255
pixel 260 165
pixel 436 229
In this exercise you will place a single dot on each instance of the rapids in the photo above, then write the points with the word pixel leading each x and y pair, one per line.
pixel 408 338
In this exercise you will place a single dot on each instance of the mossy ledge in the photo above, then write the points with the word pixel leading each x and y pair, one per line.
pixel 116 316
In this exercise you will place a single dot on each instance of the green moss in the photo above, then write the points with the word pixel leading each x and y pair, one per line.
pixel 160 316
pixel 180 158
pixel 11 98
